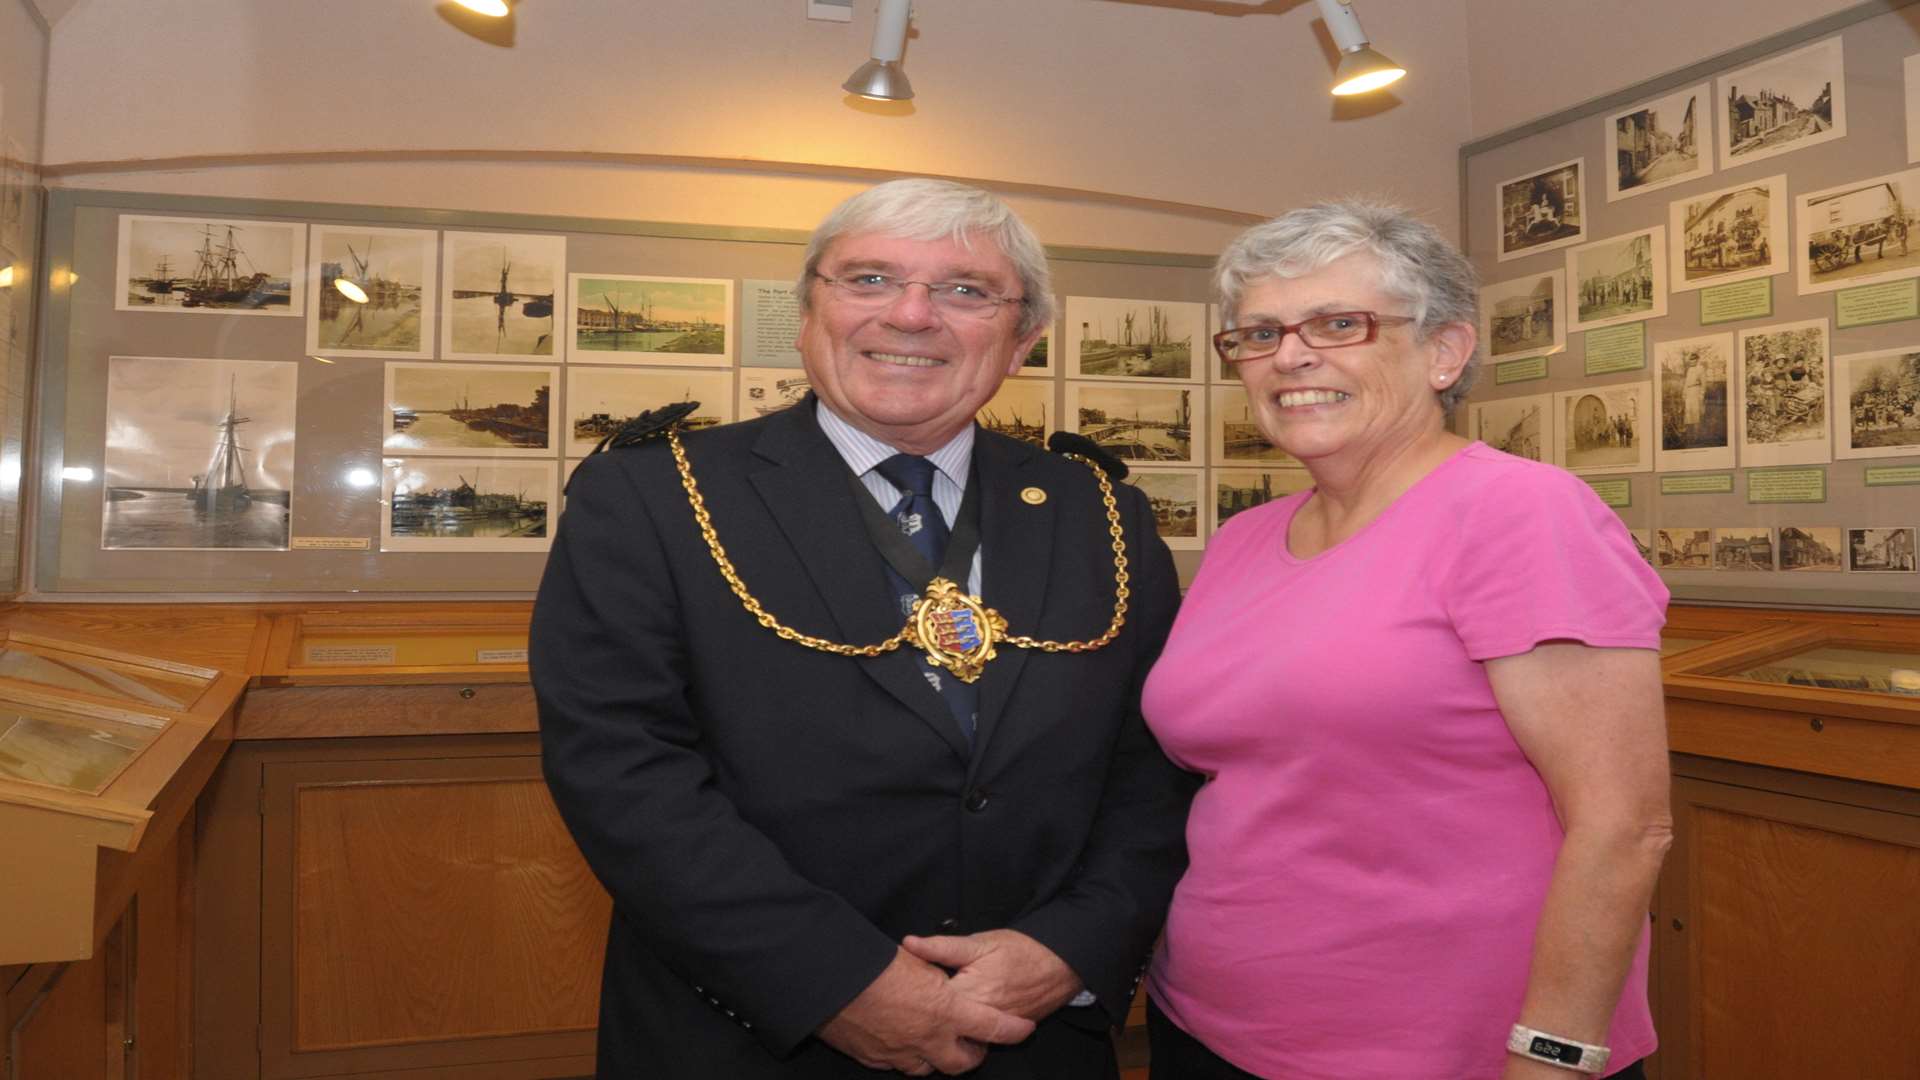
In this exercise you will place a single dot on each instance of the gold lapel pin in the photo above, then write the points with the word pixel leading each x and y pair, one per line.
pixel 1033 496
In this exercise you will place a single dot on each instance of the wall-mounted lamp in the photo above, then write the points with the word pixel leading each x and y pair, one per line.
pixel 1361 68
pixel 496 9
pixel 882 78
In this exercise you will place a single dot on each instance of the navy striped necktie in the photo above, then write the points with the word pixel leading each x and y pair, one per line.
pixel 920 520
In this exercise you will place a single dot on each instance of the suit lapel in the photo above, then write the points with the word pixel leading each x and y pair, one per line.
pixel 1016 544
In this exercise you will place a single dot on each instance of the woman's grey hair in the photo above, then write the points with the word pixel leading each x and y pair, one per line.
pixel 923 209
pixel 1417 265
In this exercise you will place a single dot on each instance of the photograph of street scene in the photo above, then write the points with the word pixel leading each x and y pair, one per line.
pixel 1730 235
pixel 1782 104
pixel 1858 233
pixel 1659 143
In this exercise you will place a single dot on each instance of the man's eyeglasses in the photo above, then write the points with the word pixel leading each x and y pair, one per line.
pixel 868 289
pixel 1333 331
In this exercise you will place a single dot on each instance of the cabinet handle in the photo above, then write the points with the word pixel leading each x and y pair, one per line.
pixel 1678 925
pixel 466 693
pixel 1817 724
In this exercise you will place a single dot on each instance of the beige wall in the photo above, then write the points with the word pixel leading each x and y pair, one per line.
pixel 23 72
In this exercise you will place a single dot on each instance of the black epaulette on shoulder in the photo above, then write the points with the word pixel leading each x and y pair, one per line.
pixel 1068 442
pixel 647 426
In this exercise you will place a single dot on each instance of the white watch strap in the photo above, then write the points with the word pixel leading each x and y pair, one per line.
pixel 1558 1050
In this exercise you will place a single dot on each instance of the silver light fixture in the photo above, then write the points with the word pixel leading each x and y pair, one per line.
pixel 882 78
pixel 1361 68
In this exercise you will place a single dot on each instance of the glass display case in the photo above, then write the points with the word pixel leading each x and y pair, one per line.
pixel 475 642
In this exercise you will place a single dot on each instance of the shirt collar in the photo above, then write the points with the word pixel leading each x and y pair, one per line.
pixel 862 451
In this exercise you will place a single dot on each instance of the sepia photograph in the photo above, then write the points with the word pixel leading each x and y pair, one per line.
pixel 1743 548
pixel 1520 426
pixel 478 504
pixel 1020 410
pixel 1604 429
pixel 1541 211
pixel 211 266
pixel 1524 317
pixel 1039 359
pixel 1147 425
pixel 1733 234
pixel 1235 490
pixel 1691 409
pixel 1910 70
pixel 1780 395
pixel 600 400
pixel 469 410
pixel 1877 391
pixel 498 298
pixel 768 390
pixel 1660 143
pixel 622 319
pixel 1134 339
pixel 1683 549
pixel 373 292
pixel 1812 547
pixel 1782 104
pixel 199 453
pixel 1618 280
pixel 1643 543
pixel 1880 550
pixel 1858 233
pixel 1236 438
pixel 1175 498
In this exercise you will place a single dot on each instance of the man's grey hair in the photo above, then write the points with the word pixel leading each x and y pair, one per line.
pixel 923 209
pixel 1417 265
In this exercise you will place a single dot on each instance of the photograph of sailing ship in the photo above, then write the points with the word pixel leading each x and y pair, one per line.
pixel 768 390
pixel 1138 423
pixel 622 319
pixel 199 453
pixel 601 400
pixel 211 265
pixel 1175 498
pixel 1020 410
pixel 449 504
pixel 372 292
pixel 1236 438
pixel 498 297
pixel 476 410
pixel 1235 490
pixel 1039 359
pixel 1133 339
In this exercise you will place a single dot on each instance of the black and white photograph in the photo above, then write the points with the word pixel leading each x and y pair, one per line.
pixel 1692 408
pixel 1780 395
pixel 1910 69
pixel 471 504
pixel 469 410
pixel 1878 391
pixel 1743 548
pixel 1524 317
pixel 600 400
pixel 1812 548
pixel 1643 543
pixel 1021 410
pixel 501 295
pixel 624 319
pixel 1541 211
pixel 211 266
pixel 1859 233
pixel 373 292
pixel 1660 143
pixel 1150 425
pixel 1039 359
pixel 1733 234
pixel 1235 490
pixel 199 453
pixel 1521 426
pixel 1680 548
pixel 1235 438
pixel 1620 279
pixel 764 391
pixel 1174 495
pixel 1782 104
pixel 1879 551
pixel 1604 429
pixel 1137 340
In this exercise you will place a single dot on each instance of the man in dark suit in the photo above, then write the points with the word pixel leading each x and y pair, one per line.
pixel 824 862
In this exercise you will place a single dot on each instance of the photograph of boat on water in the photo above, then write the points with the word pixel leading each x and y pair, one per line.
pixel 469 410
pixel 764 391
pixel 600 400
pixel 199 453
pixel 1021 410
pixel 1039 359
pixel 211 265
pixel 1236 439
pixel 373 292
pixel 498 299
pixel 1236 490
pixel 471 504
pixel 1134 340
pixel 1174 495
pixel 623 319
pixel 1146 424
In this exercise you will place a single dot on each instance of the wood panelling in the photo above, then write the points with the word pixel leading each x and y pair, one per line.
pixel 306 712
pixel 73 1029
pixel 214 635
pixel 1812 741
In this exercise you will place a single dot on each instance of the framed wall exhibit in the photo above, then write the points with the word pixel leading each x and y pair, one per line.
pixel 1776 394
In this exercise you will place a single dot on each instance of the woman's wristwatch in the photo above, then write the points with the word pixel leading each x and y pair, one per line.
pixel 1557 1050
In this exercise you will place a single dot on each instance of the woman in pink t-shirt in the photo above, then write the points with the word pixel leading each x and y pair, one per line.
pixel 1426 697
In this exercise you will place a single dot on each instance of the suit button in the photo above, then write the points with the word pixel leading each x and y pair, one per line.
pixel 977 800
pixel 949 926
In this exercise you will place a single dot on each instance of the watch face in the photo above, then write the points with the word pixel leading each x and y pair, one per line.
pixel 1557 1051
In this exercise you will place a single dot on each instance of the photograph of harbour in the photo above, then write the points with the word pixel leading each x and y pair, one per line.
pixel 601 400
pixel 211 265
pixel 768 390
pixel 622 319
pixel 1174 495
pixel 1660 143
pixel 498 299
pixel 1020 410
pixel 1039 359
pixel 1542 210
pixel 1782 104
pixel 1880 395
pixel 1137 423
pixel 478 504
pixel 1518 425
pixel 372 292
pixel 1236 438
pixel 1237 490
pixel 1133 339
pixel 1524 317
pixel 199 453
pixel 473 410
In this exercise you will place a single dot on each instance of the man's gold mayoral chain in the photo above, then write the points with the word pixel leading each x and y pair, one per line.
pixel 957 631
